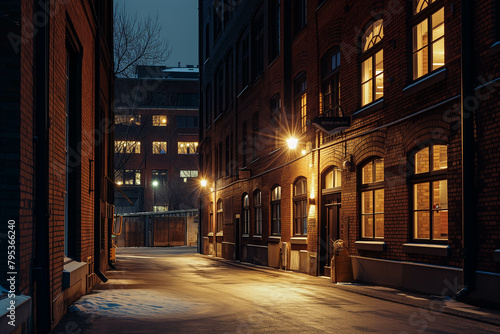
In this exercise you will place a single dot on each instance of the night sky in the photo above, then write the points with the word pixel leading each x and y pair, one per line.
pixel 179 20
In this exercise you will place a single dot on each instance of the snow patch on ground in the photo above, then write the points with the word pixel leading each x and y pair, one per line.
pixel 130 303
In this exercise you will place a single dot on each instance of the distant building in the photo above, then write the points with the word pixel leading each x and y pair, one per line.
pixel 156 140
pixel 371 92
pixel 56 201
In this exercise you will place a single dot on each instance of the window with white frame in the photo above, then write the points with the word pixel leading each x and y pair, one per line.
pixel 372 199
pixel 372 65
pixel 276 211
pixel 428 37
pixel 430 194
pixel 300 207
pixel 257 210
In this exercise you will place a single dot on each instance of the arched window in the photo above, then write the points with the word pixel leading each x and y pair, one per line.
pixel 372 66
pixel 211 218
pixel 300 207
pixel 257 210
pixel 430 193
pixel 220 216
pixel 428 37
pixel 300 100
pixel 332 179
pixel 246 215
pixel 276 211
pixel 372 199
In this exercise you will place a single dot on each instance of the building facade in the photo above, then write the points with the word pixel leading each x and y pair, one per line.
pixel 56 156
pixel 323 120
pixel 156 140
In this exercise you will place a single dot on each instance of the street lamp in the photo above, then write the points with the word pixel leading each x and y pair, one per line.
pixel 203 183
pixel 155 184
pixel 292 143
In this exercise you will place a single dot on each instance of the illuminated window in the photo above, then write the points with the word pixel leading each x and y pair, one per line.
pixel 276 211
pixel 333 179
pixel 372 67
pixel 372 199
pixel 187 148
pixel 220 216
pixel 159 120
pixel 122 146
pixel 159 147
pixel 128 119
pixel 185 174
pixel 430 193
pixel 428 38
pixel 128 177
pixel 301 101
pixel 300 207
pixel 246 215
pixel 257 210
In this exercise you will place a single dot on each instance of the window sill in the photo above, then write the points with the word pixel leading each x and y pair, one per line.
pixel 245 235
pixel 425 82
pixel 497 255
pixel 73 272
pixel 274 239
pixel 376 246
pixel 219 234
pixel 372 107
pixel 427 249
pixel 298 240
pixel 495 48
pixel 210 234
pixel 257 237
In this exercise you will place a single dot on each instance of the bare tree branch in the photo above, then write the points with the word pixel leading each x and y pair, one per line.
pixel 137 42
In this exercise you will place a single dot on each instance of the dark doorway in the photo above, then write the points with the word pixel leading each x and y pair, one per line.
pixel 330 223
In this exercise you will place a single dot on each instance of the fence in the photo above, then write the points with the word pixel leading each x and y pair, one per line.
pixel 158 229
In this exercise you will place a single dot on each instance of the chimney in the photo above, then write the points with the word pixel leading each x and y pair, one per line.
pixel 179 64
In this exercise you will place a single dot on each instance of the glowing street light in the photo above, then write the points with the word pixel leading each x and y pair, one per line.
pixel 155 183
pixel 292 143
pixel 203 183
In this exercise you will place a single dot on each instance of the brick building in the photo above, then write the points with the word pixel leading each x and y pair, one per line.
pixel 56 155
pixel 156 140
pixel 323 120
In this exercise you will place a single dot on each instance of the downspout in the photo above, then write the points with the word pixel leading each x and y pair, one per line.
pixel 200 117
pixel 99 165
pixel 41 269
pixel 467 133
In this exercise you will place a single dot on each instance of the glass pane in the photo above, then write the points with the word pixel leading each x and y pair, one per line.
pixel 440 225
pixel 367 93
pixel 379 86
pixel 245 200
pixel 257 198
pixel 367 174
pixel 367 70
pixel 300 187
pixel 419 5
pixel 422 225
pixel 440 195
pixel 420 35
pixel 420 63
pixel 367 202
pixel 422 161
pixel 379 170
pixel 338 177
pixel 329 180
pixel 421 199
pixel 379 201
pixel 379 226
pixel 440 157
pixel 367 226
pixel 438 24
pixel 138 178
pixel 438 54
pixel 379 72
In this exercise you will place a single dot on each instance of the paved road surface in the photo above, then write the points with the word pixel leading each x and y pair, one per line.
pixel 176 291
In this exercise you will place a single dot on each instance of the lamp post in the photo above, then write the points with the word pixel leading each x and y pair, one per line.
pixel 155 184
pixel 203 184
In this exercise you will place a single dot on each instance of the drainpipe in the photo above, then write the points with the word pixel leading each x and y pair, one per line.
pixel 41 269
pixel 467 132
pixel 200 113
pixel 99 161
